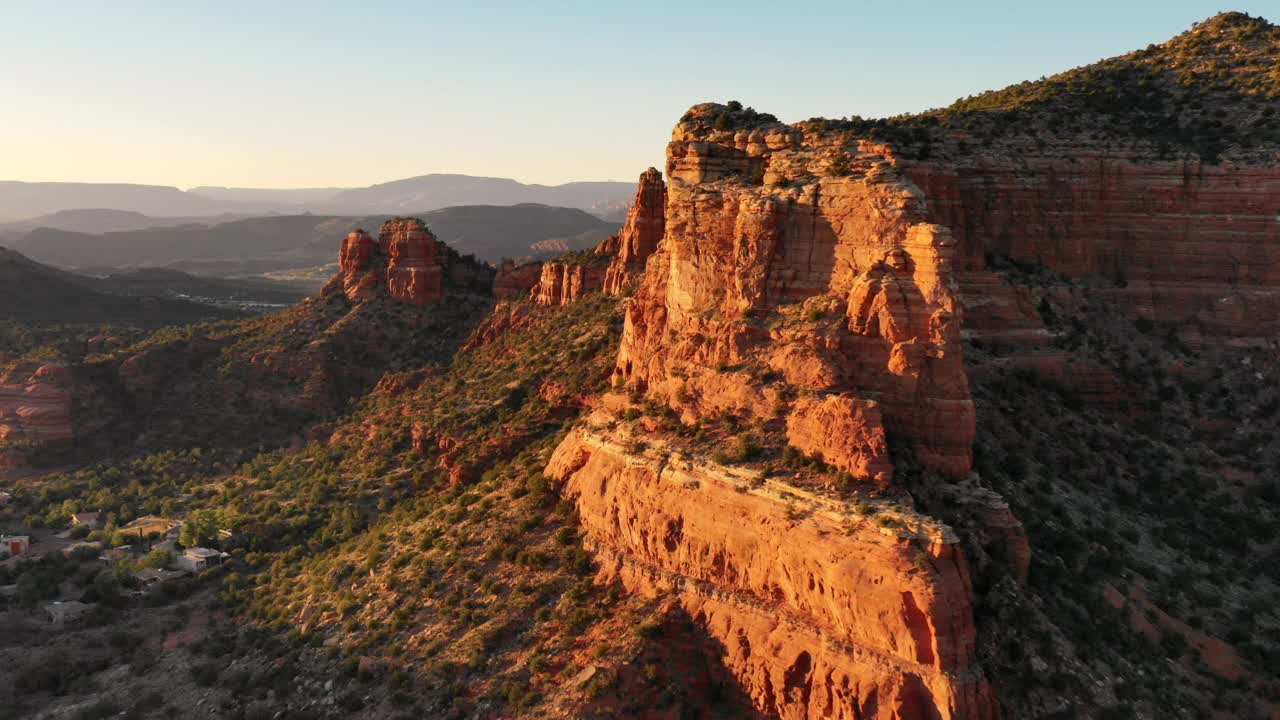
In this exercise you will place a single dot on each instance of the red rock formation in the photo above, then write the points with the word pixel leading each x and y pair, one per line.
pixel 414 261
pixel 792 261
pixel 361 278
pixel 406 262
pixel 516 281
pixel 35 405
pixel 1190 241
pixel 646 222
pixel 562 283
pixel 843 432
pixel 749 273
pixel 820 616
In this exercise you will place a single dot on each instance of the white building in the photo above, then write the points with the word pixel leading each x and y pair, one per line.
pixel 197 560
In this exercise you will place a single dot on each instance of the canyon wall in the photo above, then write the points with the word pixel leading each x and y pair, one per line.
pixel 1187 241
pixel 35 407
pixel 815 286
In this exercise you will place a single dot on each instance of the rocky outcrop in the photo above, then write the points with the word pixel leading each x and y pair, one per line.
pixel 563 282
pixel 362 279
pixel 798 285
pixel 414 262
pixel 616 263
pixel 406 264
pixel 516 281
pixel 844 432
pixel 821 613
pixel 644 227
pixel 35 405
pixel 826 272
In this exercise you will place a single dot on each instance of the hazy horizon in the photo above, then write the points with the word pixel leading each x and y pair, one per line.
pixel 296 96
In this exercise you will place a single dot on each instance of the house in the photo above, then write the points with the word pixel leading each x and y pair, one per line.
pixel 67 613
pixel 197 560
pixel 14 545
pixel 149 525
pixel 157 576
pixel 112 556
pixel 92 520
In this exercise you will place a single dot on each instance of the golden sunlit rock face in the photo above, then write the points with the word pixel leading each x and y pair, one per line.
pixel 813 287
pixel 798 283
pixel 405 262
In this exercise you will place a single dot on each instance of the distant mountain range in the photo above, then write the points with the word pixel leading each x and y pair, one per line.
pixel 22 201
pixel 32 292
pixel 258 245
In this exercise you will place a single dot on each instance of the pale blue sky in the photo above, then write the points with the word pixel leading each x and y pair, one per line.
pixel 304 94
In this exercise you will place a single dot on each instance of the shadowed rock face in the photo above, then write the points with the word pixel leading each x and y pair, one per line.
pixel 515 281
pixel 1189 241
pixel 35 404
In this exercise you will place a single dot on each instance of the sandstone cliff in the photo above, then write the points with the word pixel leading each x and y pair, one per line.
pixel 810 293
pixel 823 273
pixel 822 613
pixel 1187 242
pixel 799 288
pixel 644 227
pixel 568 279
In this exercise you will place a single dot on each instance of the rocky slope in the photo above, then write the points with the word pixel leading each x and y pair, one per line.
pixel 264 380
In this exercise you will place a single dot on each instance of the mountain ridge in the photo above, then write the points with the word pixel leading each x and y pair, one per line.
pixel 21 201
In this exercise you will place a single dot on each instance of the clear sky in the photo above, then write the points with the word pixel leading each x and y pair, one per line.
pixel 320 93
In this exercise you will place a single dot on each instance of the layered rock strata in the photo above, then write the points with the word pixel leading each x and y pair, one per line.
pixel 1189 242
pixel 800 285
pixel 35 407
pixel 821 613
